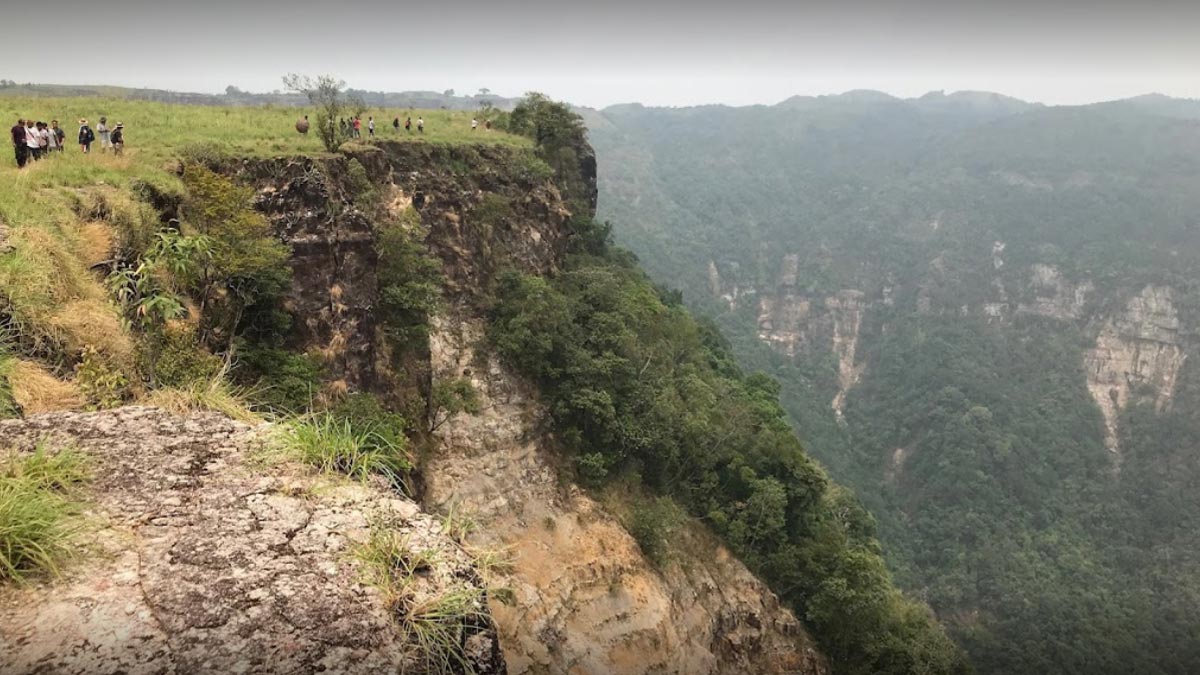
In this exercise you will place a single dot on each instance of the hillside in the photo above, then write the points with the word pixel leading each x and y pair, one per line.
pixel 982 315
pixel 439 322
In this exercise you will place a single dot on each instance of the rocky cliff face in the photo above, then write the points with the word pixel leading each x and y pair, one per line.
pixel 1138 350
pixel 585 598
pixel 199 557
pixel 1138 354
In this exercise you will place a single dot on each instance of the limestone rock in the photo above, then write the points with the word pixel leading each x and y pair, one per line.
pixel 204 560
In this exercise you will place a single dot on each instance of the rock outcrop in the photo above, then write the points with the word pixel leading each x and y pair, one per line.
pixel 586 601
pixel 200 558
pixel 1139 353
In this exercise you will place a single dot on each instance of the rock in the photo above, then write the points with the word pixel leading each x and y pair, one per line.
pixel 204 561
pixel 586 600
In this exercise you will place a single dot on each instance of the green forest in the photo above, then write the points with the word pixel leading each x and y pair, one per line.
pixel 971 437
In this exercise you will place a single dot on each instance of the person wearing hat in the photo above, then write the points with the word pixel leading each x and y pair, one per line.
pixel 118 138
pixel 86 137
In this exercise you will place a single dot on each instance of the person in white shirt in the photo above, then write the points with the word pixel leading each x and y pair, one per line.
pixel 103 132
pixel 33 140
pixel 474 124
pixel 421 124
pixel 371 127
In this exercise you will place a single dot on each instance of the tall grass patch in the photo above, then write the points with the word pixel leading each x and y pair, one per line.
pixel 39 511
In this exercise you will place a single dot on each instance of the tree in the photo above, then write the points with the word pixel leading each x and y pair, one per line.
pixel 484 91
pixel 448 92
pixel 329 95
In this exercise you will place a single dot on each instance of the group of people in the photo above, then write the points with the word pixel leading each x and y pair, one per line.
pixel 34 140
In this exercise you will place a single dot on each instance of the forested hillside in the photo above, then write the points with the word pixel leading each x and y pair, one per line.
pixel 983 316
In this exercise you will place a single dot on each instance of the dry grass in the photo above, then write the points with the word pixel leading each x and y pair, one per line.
pixel 93 323
pixel 96 242
pixel 36 390
pixel 216 395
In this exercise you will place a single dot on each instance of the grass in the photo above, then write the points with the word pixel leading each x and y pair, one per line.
pixel 435 624
pixel 215 394
pixel 38 511
pixel 65 214
pixel 337 445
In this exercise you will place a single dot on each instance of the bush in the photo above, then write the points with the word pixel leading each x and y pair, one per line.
pixel 651 524
pixel 103 385
pixel 279 380
pixel 37 511
pixel 182 361
pixel 409 280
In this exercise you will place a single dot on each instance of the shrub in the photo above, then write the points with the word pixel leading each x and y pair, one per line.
pixel 409 280
pixel 103 385
pixel 182 361
pixel 450 397
pixel 651 523
pixel 280 381
pixel 37 511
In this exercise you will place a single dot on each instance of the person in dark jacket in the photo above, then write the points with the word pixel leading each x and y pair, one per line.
pixel 118 139
pixel 396 125
pixel 19 146
pixel 86 137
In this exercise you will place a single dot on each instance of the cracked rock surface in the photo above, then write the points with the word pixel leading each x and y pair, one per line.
pixel 199 559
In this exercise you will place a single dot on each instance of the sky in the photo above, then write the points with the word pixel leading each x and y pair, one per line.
pixel 604 52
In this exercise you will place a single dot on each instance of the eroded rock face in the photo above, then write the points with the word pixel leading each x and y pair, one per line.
pixel 1138 352
pixel 313 206
pixel 200 560
pixel 586 600
pixel 1053 296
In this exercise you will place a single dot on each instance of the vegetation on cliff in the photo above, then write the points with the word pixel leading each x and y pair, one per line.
pixel 991 240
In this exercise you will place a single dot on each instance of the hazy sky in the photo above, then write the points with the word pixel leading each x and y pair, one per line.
pixel 610 51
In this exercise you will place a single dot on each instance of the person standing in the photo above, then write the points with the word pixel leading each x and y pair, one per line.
pixel 103 132
pixel 86 137
pixel 118 139
pixel 408 124
pixel 60 136
pixel 396 125
pixel 474 124
pixel 371 127
pixel 357 127
pixel 421 125
pixel 18 141
pixel 44 138
pixel 33 140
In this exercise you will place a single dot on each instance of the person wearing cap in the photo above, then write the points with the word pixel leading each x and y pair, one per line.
pixel 18 141
pixel 118 138
pixel 102 132
pixel 86 137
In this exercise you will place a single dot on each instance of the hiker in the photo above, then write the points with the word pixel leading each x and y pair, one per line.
pixel 33 140
pixel 343 126
pixel 103 132
pixel 46 139
pixel 18 141
pixel 421 124
pixel 357 127
pixel 371 127
pixel 408 124
pixel 487 125
pixel 86 137
pixel 396 125
pixel 60 136
pixel 474 124
pixel 118 139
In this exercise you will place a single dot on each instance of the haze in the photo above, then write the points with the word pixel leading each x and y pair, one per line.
pixel 597 54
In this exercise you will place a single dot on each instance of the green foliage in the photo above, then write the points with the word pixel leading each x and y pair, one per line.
pixel 637 386
pixel 38 511
pixel 280 380
pixel 181 360
pixel 651 524
pixel 328 94
pixel 409 280
pixel 102 384
pixel 356 448
pixel 244 264
pixel 8 405
pixel 561 139
pixel 450 397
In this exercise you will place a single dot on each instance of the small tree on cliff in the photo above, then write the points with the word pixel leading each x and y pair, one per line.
pixel 329 95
